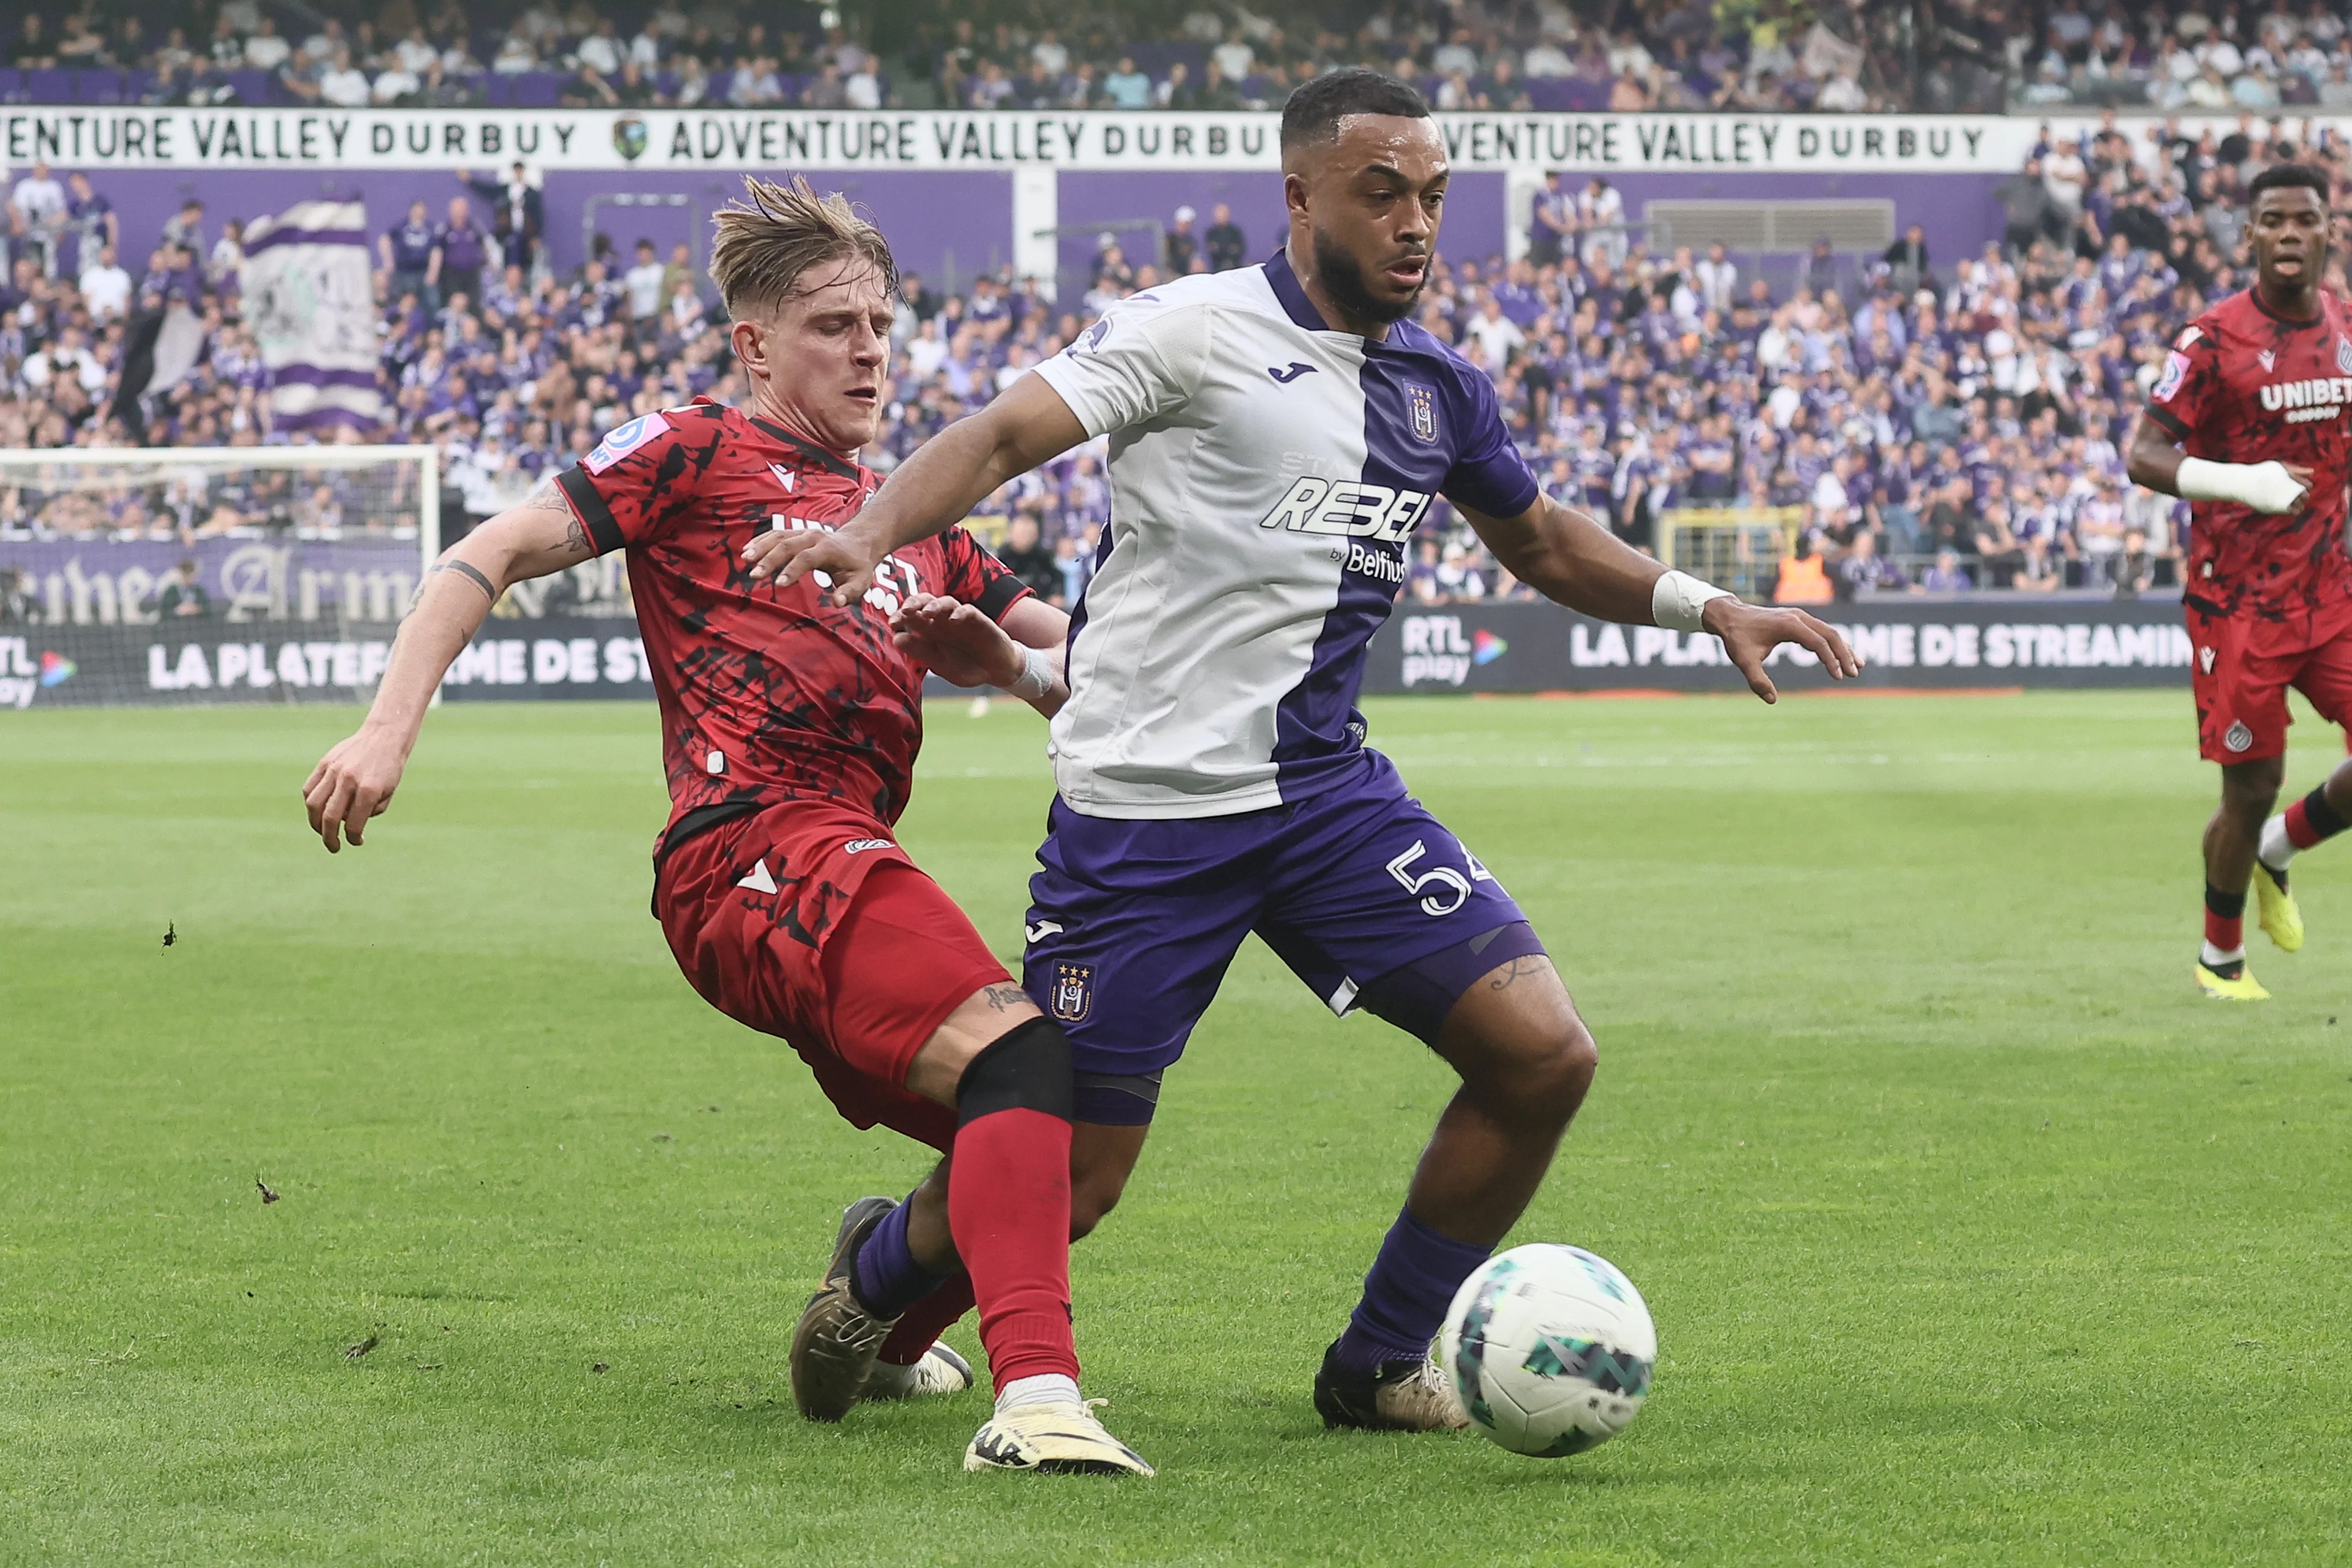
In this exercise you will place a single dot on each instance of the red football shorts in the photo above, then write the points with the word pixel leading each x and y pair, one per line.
pixel 2241 667
pixel 808 921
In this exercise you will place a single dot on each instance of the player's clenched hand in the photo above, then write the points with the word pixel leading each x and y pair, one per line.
pixel 1750 632
pixel 2302 476
pixel 957 640
pixel 353 784
pixel 843 567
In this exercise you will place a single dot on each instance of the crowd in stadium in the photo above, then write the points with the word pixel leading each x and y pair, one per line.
pixel 1927 422
pixel 1839 55
pixel 1549 55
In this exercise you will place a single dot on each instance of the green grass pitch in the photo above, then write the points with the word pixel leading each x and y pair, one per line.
pixel 1972 1234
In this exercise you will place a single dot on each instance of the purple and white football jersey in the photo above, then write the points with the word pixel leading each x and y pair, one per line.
pixel 1267 474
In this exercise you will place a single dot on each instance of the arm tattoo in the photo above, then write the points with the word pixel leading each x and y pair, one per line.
pixel 547 497
pixel 476 578
pixel 1001 997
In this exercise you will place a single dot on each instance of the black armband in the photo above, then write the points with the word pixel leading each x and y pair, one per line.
pixel 471 574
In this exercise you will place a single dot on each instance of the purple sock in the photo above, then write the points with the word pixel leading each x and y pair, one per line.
pixel 1411 1284
pixel 886 1279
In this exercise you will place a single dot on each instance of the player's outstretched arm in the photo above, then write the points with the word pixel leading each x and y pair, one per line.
pixel 1574 561
pixel 947 476
pixel 2156 464
pixel 1023 655
pixel 354 782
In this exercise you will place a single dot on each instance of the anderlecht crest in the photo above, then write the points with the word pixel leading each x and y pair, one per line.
pixel 629 137
pixel 1421 413
pixel 1074 991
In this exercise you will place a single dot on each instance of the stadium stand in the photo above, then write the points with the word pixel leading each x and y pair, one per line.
pixel 1918 421
pixel 1934 55
pixel 1924 422
pixel 1953 55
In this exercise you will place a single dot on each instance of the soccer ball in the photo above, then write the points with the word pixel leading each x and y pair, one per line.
pixel 1550 1349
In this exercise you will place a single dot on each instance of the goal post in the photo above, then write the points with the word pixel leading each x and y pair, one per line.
pixel 216 573
pixel 1735 547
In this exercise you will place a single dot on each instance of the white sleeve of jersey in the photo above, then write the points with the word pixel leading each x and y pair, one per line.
pixel 1135 365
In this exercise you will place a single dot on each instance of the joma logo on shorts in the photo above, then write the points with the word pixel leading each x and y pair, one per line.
pixel 1347 507
pixel 858 845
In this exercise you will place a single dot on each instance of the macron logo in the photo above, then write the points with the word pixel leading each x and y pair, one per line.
pixel 1291 374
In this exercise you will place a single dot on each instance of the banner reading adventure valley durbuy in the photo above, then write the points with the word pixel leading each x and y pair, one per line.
pixel 135 138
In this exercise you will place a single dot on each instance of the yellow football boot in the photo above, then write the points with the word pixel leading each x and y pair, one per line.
pixel 2244 988
pixel 2276 908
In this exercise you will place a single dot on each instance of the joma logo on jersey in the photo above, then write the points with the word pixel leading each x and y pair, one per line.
pixel 2322 397
pixel 1348 507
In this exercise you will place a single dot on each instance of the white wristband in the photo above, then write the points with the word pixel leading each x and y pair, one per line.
pixel 2266 485
pixel 1679 599
pixel 1036 677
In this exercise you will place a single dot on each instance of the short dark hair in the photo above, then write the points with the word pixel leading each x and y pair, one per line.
pixel 1316 107
pixel 2287 177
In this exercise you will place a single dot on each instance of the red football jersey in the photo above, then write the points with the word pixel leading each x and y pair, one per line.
pixel 766 693
pixel 2243 385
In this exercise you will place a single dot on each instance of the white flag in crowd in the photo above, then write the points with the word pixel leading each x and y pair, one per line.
pixel 310 299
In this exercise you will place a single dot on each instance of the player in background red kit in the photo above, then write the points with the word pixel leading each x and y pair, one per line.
pixel 789 733
pixel 2249 422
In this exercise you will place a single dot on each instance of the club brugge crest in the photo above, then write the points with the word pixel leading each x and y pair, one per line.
pixel 1421 413
pixel 2344 355
pixel 1074 991
pixel 629 137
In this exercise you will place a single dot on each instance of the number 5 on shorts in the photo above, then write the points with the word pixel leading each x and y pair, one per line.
pixel 1435 877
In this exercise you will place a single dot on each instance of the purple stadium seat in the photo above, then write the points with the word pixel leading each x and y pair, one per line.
pixel 99 85
pixel 537 89
pixel 12 85
pixel 498 91
pixel 135 85
pixel 252 86
pixel 49 85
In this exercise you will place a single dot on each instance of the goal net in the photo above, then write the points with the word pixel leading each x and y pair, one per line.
pixel 208 575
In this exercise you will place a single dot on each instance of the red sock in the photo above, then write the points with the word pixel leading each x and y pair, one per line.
pixel 927 1319
pixel 1009 1210
pixel 2310 820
